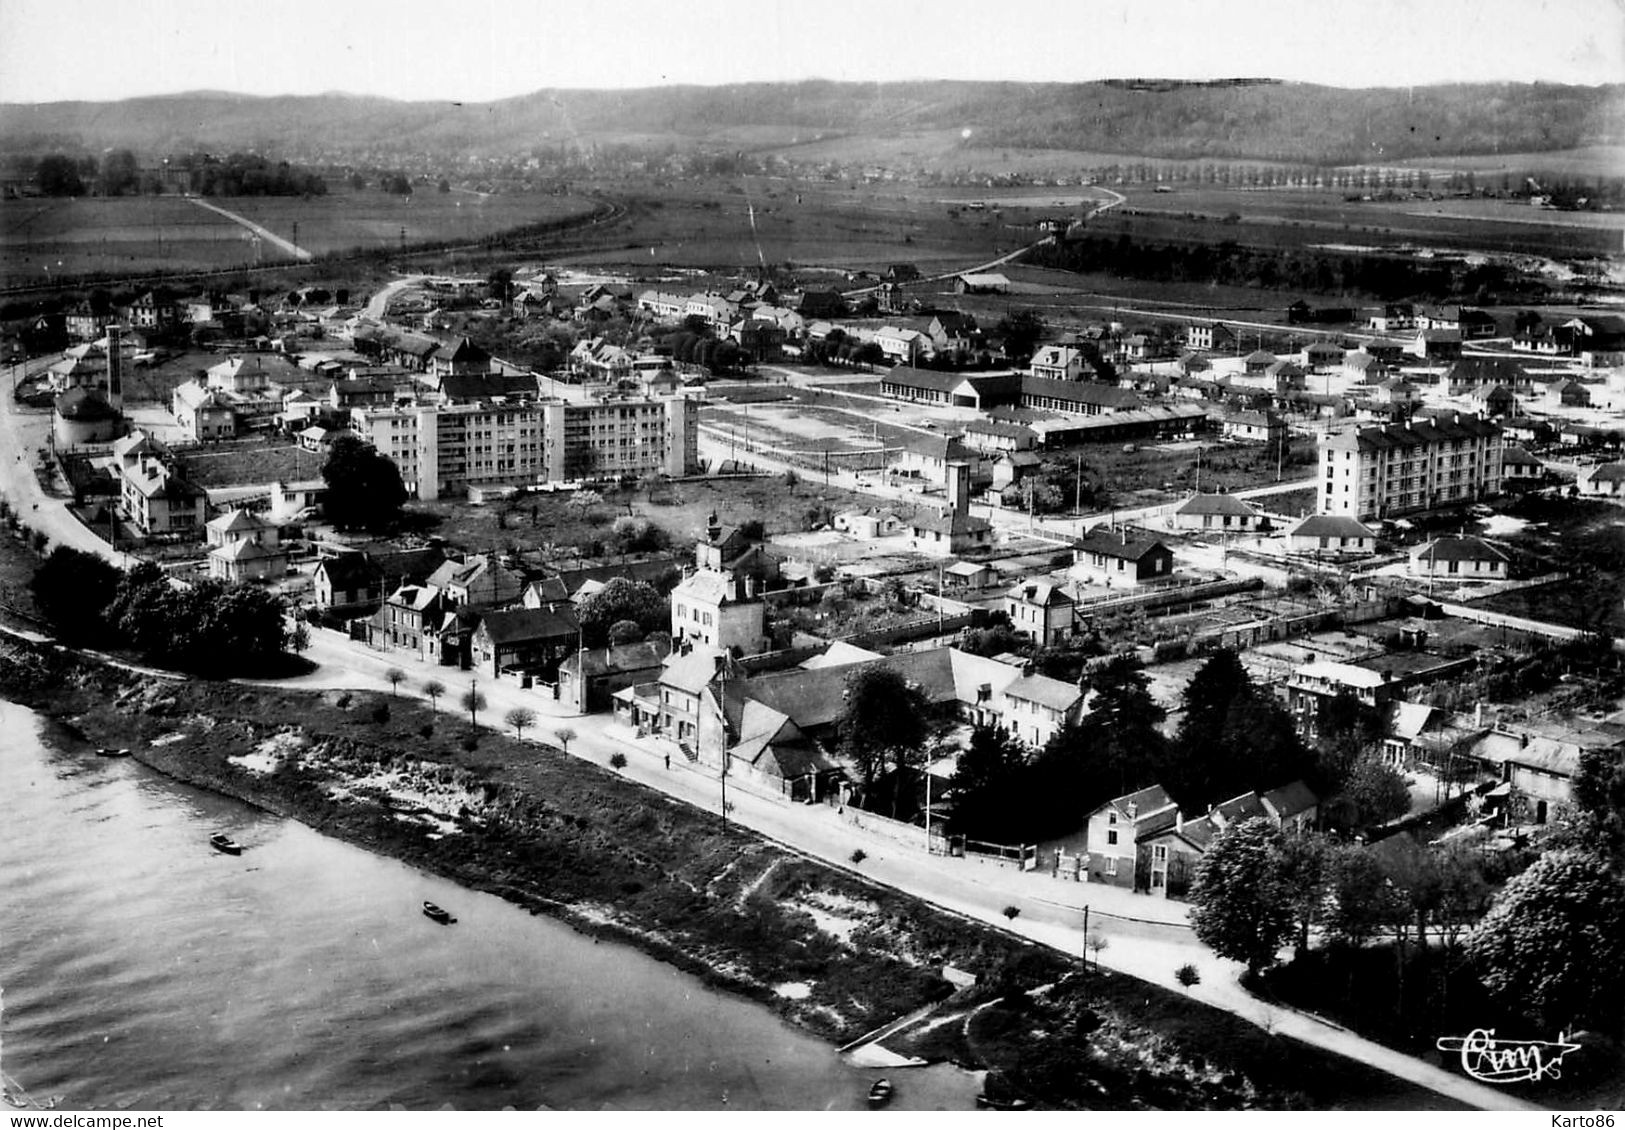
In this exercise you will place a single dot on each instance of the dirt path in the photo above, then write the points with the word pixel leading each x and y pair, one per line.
pixel 262 232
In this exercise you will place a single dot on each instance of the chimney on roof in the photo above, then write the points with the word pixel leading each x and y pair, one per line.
pixel 1124 534
pixel 1179 820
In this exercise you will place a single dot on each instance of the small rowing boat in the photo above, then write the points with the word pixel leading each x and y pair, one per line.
pixel 439 914
pixel 222 842
pixel 881 1092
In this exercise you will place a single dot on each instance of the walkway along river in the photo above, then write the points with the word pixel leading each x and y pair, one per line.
pixel 140 969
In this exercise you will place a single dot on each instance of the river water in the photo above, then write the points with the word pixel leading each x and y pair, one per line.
pixel 140 969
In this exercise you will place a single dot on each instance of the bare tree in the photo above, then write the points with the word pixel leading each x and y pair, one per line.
pixel 565 736
pixel 520 717
pixel 433 689
pixel 396 677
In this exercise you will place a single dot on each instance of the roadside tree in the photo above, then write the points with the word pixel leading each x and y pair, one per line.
pixel 1553 945
pixel 882 721
pixel 1243 910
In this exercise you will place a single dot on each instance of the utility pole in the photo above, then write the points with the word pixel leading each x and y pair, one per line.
pixel 1077 484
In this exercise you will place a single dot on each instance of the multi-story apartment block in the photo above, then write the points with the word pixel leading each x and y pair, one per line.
pixel 445 449
pixel 1393 469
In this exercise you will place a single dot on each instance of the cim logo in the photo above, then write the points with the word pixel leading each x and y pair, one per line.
pixel 1508 1061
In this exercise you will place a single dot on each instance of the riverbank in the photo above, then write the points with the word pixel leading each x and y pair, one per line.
pixel 833 953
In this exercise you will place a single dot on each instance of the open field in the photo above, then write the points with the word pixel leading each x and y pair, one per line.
pixel 1306 217
pixel 44 238
pixel 41 238
pixel 807 223
pixel 681 509
pixel 1586 161
pixel 345 220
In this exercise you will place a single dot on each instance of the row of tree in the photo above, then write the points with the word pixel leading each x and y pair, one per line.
pixel 1300 270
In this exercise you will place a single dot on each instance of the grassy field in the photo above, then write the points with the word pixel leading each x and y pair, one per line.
pixel 171 233
pixel 1300 218
pixel 44 238
pixel 807 223
pixel 343 219
pixel 250 462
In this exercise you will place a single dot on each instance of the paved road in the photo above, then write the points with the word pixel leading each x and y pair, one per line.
pixel 264 233
pixel 1149 938
pixel 22 432
pixel 378 305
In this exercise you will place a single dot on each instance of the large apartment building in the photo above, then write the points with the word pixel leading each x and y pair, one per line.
pixel 1394 469
pixel 445 449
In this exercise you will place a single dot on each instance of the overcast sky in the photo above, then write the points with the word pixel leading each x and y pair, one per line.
pixel 478 50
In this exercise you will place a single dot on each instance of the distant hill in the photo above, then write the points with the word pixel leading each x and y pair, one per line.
pixel 1259 119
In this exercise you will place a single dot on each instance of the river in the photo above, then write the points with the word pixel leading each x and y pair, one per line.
pixel 140 969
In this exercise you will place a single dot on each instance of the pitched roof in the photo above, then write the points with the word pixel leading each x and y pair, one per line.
pixel 1458 549
pixel 616 660
pixel 1043 593
pixel 517 625
pixel 1415 433
pixel 1289 800
pixel 234 521
pixel 1045 691
pixel 1141 803
pixel 948 522
pixel 1329 526
pixel 349 570
pixel 1083 393
pixel 1120 545
pixel 246 550
pixel 1223 504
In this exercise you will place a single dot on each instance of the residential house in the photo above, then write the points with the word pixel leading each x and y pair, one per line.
pixel 1167 857
pixel 1602 480
pixel 948 533
pixel 1255 427
pixel 532 640
pixel 1040 611
pixel 477 582
pixel 297 499
pixel 1493 400
pixel 1564 393
pixel 153 498
pixel 1459 559
pixel 1361 366
pixel 1114 830
pixel 1335 534
pixel 1519 468
pixel 720 610
pixel 1061 363
pixel 87 324
pixel 1323 357
pixel 1210 337
pixel 1013 466
pixel 993 436
pixel 813 304
pixel 1117 559
pixel 248 560
pixel 1285 377
pixel 953 336
pixel 202 413
pixel 902 346
pixel 1257 363
pixel 1036 707
pixel 588 680
pixel 348 583
pixel 1223 513
pixel 406 619
pixel 1395 391
pixel 1436 345
pixel 870 522
pixel 1395 318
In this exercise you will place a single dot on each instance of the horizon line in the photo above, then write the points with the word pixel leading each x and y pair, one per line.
pixel 1258 80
